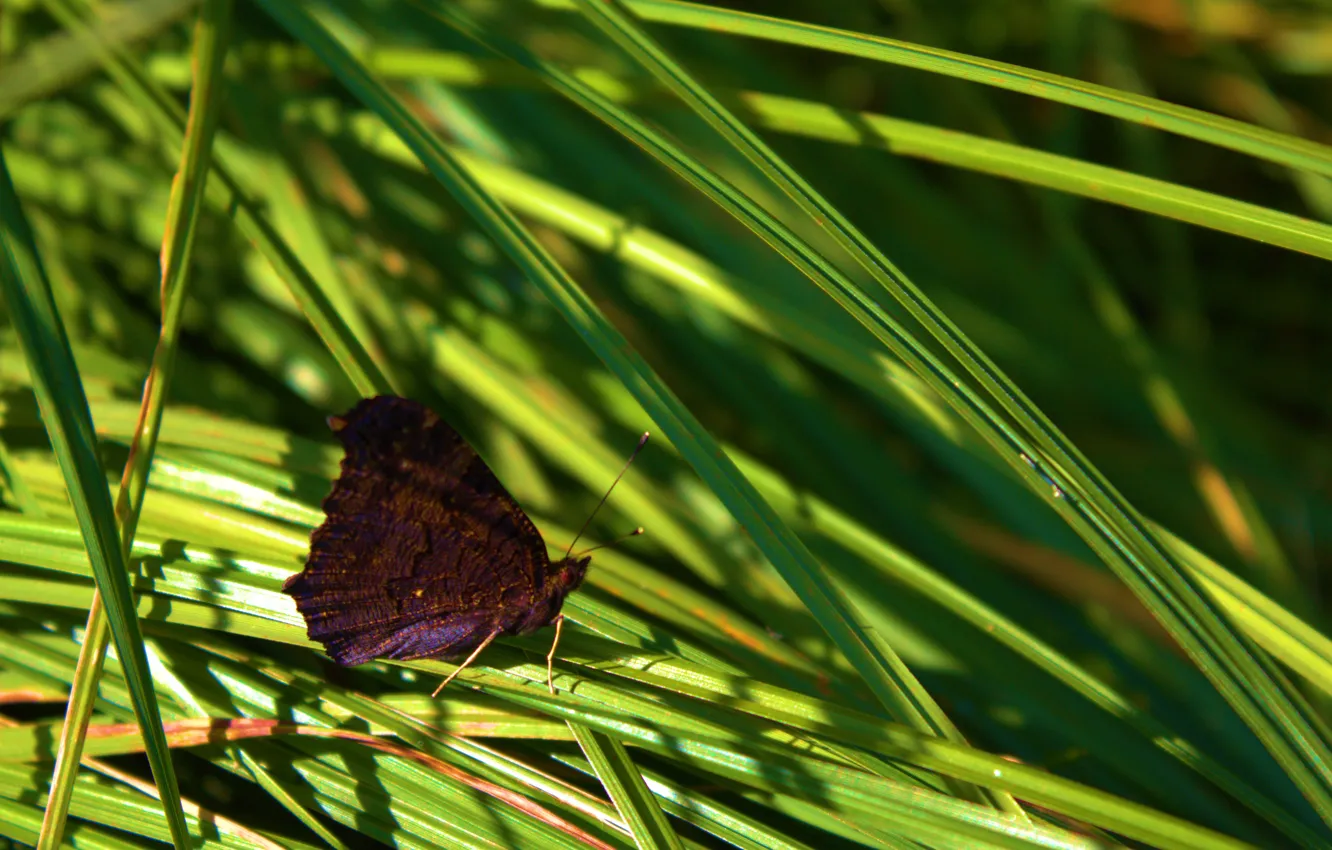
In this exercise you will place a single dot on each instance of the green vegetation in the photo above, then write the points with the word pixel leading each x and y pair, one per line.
pixel 982 343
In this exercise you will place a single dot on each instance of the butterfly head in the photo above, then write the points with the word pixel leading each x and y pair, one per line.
pixel 564 577
pixel 568 573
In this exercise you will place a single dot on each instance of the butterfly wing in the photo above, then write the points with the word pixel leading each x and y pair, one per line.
pixel 431 637
pixel 423 552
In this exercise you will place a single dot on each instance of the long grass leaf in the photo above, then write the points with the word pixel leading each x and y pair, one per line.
pixel 1281 148
pixel 65 412
pixel 182 219
pixel 226 193
pixel 627 790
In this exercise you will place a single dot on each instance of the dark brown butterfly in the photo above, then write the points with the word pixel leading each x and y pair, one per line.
pixel 424 554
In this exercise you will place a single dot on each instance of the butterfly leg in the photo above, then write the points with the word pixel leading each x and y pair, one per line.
pixel 485 643
pixel 550 657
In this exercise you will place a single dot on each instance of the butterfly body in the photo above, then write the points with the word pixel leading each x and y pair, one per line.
pixel 423 554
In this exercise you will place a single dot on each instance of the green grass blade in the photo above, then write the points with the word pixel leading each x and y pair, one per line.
pixel 1275 147
pixel 1039 168
pixel 264 779
pixel 627 790
pixel 183 212
pixel 726 823
pixel 327 250
pixel 873 658
pixel 17 487
pixel 58 60
pixel 817 120
pixel 226 193
pixel 65 411
pixel 1031 784
pixel 678 267
pixel 915 706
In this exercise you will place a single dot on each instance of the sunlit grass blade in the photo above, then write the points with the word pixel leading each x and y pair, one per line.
pixel 984 769
pixel 17 487
pixel 722 821
pixel 1035 167
pixel 65 412
pixel 456 759
pixel 264 779
pixel 1121 545
pixel 1193 123
pixel 627 790
pixel 226 193
pixel 874 659
pixel 182 219
pixel 667 261
pixel 752 697
pixel 61 58
pixel 329 262
pixel 916 706
pixel 840 346
pixel 22 822
pixel 860 792
pixel 1039 168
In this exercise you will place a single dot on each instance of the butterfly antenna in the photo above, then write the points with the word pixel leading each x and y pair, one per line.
pixel 642 441
pixel 608 544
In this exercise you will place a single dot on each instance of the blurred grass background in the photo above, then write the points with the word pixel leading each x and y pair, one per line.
pixel 880 602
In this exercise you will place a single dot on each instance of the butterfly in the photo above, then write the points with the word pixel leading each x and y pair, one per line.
pixel 423 553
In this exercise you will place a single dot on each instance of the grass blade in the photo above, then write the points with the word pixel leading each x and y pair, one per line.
pixel 627 790
pixel 65 411
pixel 182 218
pixel 1281 148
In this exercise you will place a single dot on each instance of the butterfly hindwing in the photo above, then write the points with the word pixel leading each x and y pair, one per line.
pixel 423 552
pixel 432 637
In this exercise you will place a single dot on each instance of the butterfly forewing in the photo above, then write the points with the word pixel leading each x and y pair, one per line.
pixel 424 552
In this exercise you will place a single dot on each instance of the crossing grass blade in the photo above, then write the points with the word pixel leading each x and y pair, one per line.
pixel 1028 782
pixel 815 120
pixel 731 826
pixel 627 789
pixel 182 219
pixel 1281 148
pixel 226 193
pixel 914 705
pixel 65 412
